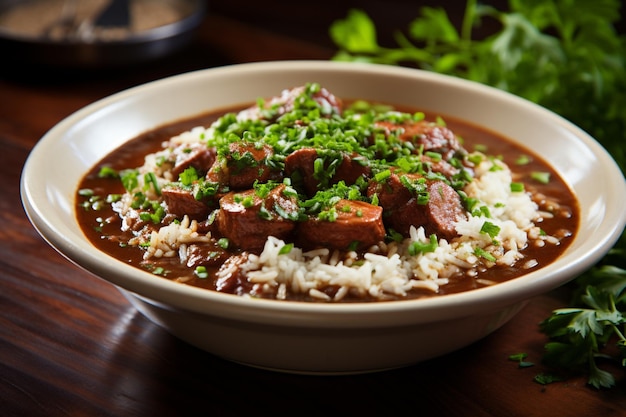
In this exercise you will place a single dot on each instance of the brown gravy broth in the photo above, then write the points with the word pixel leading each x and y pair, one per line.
pixel 107 236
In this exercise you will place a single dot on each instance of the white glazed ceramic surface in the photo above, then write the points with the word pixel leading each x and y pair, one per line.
pixel 306 337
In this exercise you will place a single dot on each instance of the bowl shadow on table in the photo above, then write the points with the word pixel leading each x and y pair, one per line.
pixel 185 378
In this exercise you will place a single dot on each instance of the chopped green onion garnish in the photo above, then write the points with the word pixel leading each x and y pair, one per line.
pixel 188 176
pixel 201 272
pixel 542 177
pixel 484 254
pixel 85 192
pixel 159 270
pixel 107 172
pixel 517 187
pixel 419 247
pixel 490 229
pixel 285 249
pixel 480 148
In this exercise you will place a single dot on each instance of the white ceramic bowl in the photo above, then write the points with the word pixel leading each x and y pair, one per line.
pixel 305 337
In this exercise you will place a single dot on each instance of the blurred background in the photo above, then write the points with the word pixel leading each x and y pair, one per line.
pixel 77 38
pixel 35 32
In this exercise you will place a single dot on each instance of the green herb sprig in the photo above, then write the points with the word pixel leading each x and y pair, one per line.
pixel 580 334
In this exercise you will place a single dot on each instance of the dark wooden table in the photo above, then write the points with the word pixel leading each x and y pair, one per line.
pixel 71 345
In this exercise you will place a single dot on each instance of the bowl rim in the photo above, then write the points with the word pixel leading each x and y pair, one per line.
pixel 174 295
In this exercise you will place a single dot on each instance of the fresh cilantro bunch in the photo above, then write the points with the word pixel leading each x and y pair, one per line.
pixel 567 56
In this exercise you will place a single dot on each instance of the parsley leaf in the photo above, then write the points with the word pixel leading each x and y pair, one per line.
pixel 580 333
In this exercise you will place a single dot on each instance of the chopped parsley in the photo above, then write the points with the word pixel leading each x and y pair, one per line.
pixel 546 378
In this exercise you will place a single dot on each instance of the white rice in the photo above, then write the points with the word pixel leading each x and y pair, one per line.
pixel 171 240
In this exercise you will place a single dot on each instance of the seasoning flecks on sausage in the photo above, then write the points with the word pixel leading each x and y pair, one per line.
pixel 358 225
pixel 288 100
pixel 428 136
pixel 181 202
pixel 343 167
pixel 244 164
pixel 247 220
pixel 438 215
pixel 198 156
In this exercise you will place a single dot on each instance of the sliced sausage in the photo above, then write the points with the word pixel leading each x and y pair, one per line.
pixel 427 135
pixel 205 254
pixel 248 220
pixel 391 192
pixel 288 101
pixel 300 165
pixel 439 166
pixel 181 202
pixel 439 215
pixel 231 278
pixel 358 225
pixel 197 155
pixel 244 164
pixel 351 168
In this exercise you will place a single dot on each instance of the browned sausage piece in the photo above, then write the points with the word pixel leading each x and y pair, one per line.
pixel 230 277
pixel 439 166
pixel 286 103
pixel 245 164
pixel 205 254
pixel 197 155
pixel 431 136
pixel 302 163
pixel 390 191
pixel 248 220
pixel 181 202
pixel 437 216
pixel 358 225
pixel 351 168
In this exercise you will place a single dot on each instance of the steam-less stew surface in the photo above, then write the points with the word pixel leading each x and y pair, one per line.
pixel 358 201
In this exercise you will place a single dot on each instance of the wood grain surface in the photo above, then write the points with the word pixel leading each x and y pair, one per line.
pixel 71 345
